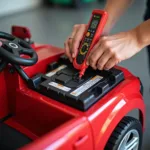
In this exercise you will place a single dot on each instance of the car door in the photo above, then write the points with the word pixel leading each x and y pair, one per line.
pixel 74 135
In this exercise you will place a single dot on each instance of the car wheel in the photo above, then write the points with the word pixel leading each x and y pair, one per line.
pixel 126 136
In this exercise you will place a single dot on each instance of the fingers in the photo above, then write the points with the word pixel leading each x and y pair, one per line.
pixel 67 50
pixel 68 43
pixel 70 39
pixel 103 60
pixel 108 60
pixel 94 56
pixel 111 63
pixel 104 55
pixel 72 43
pixel 97 52
pixel 77 39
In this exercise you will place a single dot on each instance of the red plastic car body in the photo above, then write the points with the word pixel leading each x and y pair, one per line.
pixel 53 125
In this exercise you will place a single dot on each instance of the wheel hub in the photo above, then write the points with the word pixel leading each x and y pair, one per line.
pixel 130 141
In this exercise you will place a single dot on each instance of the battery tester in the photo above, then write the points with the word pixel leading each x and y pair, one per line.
pixel 90 38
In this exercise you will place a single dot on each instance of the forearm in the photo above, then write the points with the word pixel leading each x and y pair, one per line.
pixel 143 34
pixel 115 9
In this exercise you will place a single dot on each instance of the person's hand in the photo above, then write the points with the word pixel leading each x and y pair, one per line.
pixel 111 50
pixel 73 41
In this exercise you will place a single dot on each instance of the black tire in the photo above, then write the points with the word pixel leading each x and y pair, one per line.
pixel 126 124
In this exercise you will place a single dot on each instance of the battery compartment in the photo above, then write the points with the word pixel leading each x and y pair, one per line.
pixel 61 83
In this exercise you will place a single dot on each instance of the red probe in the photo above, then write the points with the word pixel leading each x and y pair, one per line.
pixel 90 38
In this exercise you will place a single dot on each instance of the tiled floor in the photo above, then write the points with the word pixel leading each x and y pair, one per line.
pixel 53 25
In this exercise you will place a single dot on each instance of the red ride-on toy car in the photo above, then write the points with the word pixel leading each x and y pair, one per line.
pixel 43 106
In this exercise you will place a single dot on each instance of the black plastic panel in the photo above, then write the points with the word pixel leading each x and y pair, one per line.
pixel 61 83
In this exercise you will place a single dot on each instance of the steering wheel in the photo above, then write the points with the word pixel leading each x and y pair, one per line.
pixel 12 48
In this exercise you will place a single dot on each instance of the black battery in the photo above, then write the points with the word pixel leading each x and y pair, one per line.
pixel 61 82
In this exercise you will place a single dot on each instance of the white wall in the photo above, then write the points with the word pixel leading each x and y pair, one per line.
pixel 12 6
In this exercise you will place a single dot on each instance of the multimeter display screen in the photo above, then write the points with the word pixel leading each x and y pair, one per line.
pixel 94 24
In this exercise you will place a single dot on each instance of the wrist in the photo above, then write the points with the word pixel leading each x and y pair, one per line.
pixel 142 37
pixel 136 35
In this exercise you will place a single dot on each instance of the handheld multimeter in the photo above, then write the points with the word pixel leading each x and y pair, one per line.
pixel 90 38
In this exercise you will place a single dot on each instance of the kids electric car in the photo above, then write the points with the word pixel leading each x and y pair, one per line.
pixel 43 105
